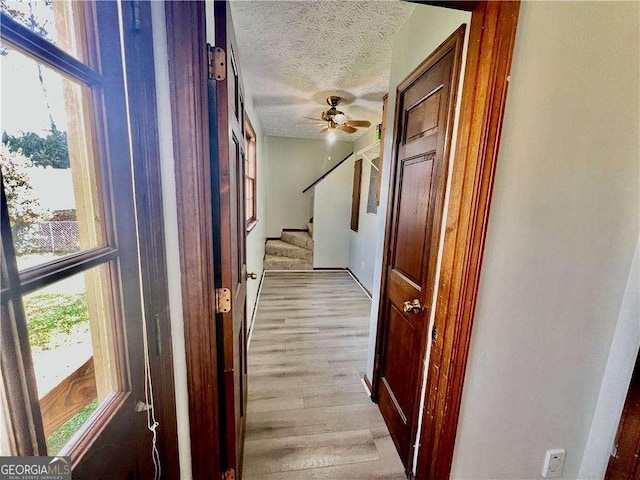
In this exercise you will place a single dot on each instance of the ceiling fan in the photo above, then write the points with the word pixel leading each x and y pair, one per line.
pixel 334 119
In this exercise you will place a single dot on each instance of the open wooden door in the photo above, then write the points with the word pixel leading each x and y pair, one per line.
pixel 226 120
pixel 424 119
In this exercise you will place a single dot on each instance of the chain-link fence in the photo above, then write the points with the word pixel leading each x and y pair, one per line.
pixel 49 237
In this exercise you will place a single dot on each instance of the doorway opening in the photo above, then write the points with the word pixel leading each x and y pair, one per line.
pixel 470 177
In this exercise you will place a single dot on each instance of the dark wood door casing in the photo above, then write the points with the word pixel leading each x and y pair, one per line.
pixel 487 68
pixel 188 67
pixel 422 138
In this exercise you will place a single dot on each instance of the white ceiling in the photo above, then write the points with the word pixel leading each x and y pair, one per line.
pixel 294 54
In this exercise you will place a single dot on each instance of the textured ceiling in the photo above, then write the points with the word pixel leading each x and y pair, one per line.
pixel 294 54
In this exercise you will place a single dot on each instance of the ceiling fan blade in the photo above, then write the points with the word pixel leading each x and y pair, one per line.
pixel 347 128
pixel 314 119
pixel 324 130
pixel 358 123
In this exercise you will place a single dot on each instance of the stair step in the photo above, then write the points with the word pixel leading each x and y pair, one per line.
pixel 274 262
pixel 301 239
pixel 310 229
pixel 285 249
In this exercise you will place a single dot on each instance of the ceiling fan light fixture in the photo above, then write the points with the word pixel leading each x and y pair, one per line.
pixel 340 118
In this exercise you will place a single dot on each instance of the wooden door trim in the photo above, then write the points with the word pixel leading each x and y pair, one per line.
pixel 488 64
pixel 138 43
pixel 186 44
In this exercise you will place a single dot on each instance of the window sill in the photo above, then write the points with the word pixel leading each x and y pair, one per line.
pixel 251 225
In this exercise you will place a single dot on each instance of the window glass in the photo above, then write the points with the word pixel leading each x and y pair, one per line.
pixel 56 21
pixel 48 161
pixel 71 340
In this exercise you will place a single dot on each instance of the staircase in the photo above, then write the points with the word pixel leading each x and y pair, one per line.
pixel 293 251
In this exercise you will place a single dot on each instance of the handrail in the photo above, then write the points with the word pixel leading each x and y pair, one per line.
pixel 324 175
pixel 70 396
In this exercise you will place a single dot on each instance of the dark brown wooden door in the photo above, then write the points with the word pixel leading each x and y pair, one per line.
pixel 227 145
pixel 423 128
pixel 625 464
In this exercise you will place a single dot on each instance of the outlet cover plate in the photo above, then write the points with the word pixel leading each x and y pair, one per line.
pixel 553 463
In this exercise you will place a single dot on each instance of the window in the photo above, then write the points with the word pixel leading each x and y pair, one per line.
pixel 70 303
pixel 250 175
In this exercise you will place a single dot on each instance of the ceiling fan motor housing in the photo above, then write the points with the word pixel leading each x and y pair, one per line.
pixel 333 100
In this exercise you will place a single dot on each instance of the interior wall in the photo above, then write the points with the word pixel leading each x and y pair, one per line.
pixel 362 244
pixel 257 237
pixel 294 163
pixel 561 236
pixel 332 217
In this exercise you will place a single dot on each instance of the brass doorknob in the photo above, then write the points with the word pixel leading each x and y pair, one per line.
pixel 252 275
pixel 412 306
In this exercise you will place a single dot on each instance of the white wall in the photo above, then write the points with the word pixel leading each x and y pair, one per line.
pixel 332 217
pixel 257 237
pixel 563 227
pixel 617 376
pixel 362 244
pixel 294 163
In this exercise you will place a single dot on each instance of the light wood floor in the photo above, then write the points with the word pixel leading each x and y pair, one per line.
pixel 308 413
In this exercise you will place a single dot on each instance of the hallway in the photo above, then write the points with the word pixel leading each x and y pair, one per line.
pixel 308 413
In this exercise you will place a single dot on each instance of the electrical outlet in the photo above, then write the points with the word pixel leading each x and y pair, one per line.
pixel 553 463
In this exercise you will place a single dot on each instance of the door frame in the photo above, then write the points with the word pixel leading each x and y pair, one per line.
pixel 188 72
pixel 488 63
pixel 489 54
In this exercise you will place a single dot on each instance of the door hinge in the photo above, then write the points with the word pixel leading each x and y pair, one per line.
pixel 217 59
pixel 229 474
pixel 223 300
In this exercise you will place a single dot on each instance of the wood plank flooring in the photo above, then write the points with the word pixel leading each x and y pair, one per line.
pixel 308 414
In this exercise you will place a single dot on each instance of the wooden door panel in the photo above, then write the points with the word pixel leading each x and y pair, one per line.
pixel 414 188
pixel 425 104
pixel 400 352
pixel 425 85
pixel 423 118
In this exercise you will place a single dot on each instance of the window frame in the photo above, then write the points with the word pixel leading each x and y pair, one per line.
pixel 251 156
pixel 103 77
